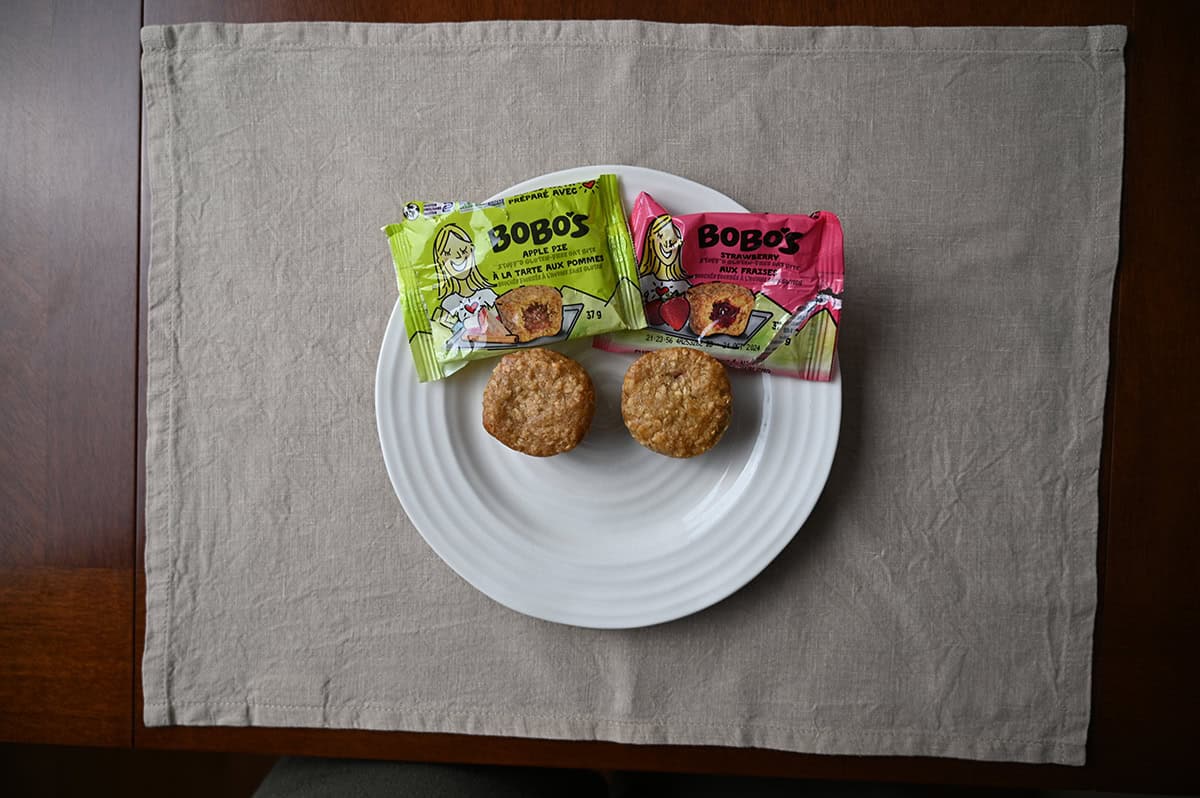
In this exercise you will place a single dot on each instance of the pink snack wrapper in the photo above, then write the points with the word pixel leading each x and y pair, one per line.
pixel 759 291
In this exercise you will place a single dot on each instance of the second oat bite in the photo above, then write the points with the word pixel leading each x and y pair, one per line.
pixel 478 279
pixel 759 291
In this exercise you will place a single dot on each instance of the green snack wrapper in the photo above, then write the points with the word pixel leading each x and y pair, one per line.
pixel 478 279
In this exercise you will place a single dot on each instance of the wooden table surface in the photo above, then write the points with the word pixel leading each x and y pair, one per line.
pixel 72 327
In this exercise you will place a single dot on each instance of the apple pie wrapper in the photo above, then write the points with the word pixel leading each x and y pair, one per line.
pixel 479 279
pixel 760 291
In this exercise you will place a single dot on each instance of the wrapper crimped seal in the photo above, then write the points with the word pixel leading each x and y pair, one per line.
pixel 758 291
pixel 477 280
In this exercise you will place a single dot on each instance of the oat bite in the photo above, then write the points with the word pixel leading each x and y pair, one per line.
pixel 538 402
pixel 720 309
pixel 531 311
pixel 677 401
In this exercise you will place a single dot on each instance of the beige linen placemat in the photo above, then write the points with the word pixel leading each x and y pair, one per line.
pixel 940 600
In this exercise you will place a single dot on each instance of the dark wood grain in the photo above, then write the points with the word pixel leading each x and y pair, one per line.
pixel 1147 653
pixel 745 12
pixel 68 224
pixel 65 655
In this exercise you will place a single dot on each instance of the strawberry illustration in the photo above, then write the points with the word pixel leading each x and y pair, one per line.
pixel 654 312
pixel 675 312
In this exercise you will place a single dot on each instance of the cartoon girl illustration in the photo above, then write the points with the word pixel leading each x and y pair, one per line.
pixel 462 289
pixel 660 274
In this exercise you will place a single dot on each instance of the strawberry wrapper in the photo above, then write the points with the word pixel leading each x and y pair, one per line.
pixel 759 291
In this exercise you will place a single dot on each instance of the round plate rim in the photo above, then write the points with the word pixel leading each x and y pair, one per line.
pixel 394 342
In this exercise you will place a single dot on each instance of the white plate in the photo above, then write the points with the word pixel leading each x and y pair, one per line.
pixel 609 535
